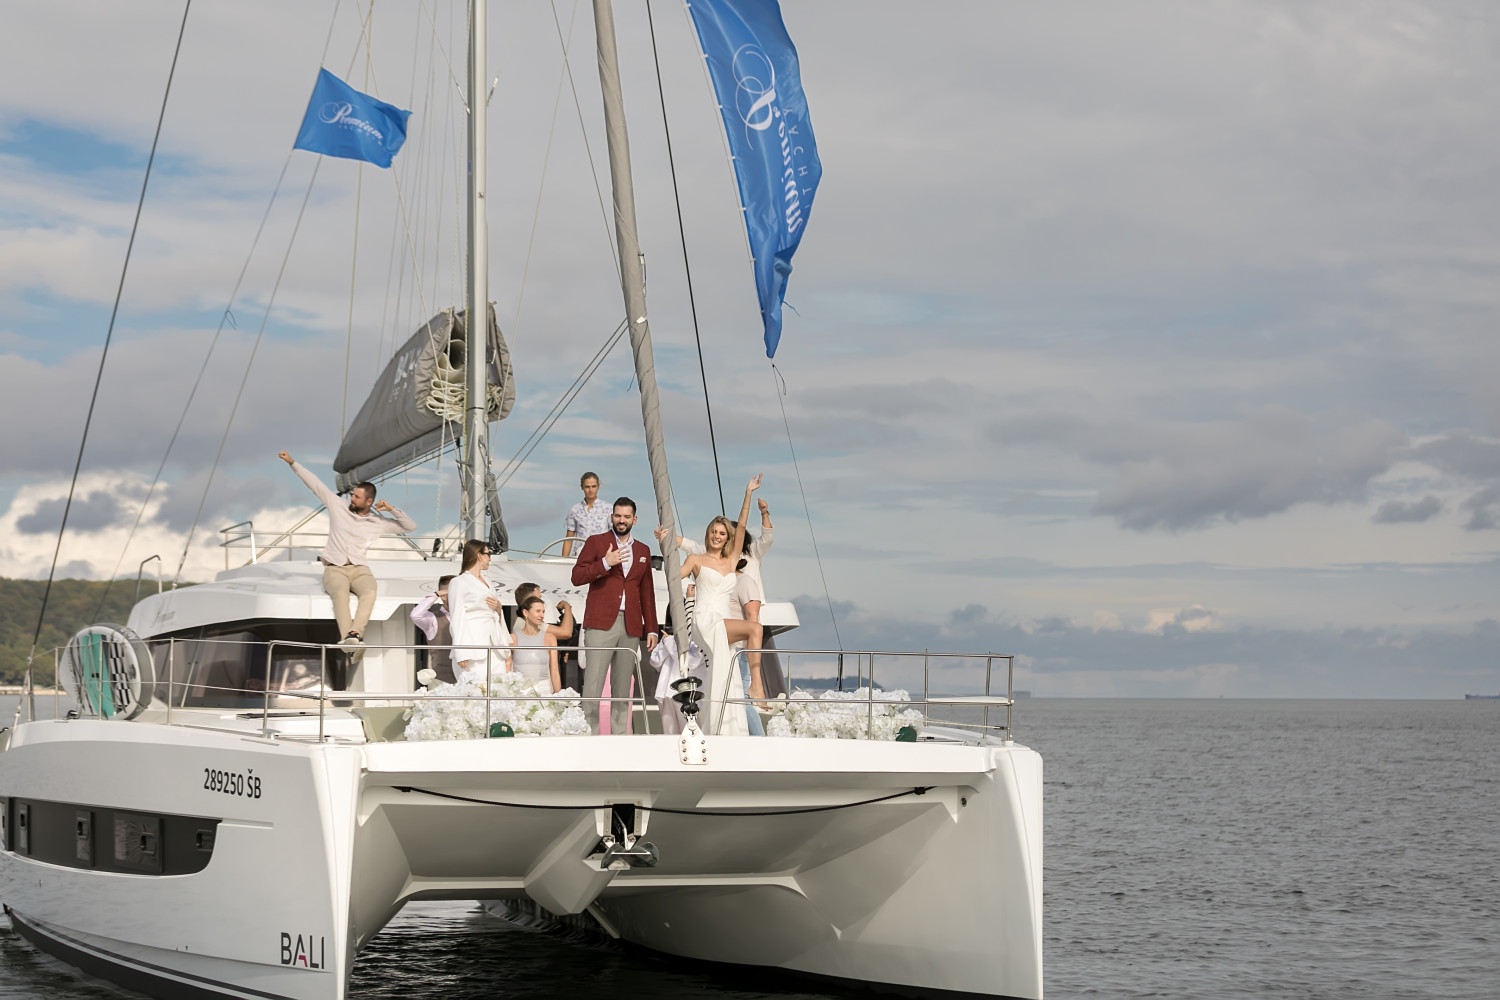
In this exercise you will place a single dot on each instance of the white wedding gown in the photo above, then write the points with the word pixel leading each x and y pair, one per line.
pixel 711 606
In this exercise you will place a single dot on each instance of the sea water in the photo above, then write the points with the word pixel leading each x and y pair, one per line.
pixel 1194 849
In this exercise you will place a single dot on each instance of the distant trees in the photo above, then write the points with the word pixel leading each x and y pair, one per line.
pixel 71 606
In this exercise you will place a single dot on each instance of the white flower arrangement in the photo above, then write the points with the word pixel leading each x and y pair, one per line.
pixel 841 715
pixel 434 719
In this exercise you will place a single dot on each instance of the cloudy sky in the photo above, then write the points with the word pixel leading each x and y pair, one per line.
pixel 1151 342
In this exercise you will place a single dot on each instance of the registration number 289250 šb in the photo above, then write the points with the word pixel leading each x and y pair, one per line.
pixel 244 784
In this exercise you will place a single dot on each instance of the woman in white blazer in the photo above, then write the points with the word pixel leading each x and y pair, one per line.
pixel 474 618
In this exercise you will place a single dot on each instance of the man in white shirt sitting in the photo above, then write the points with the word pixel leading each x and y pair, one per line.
pixel 351 529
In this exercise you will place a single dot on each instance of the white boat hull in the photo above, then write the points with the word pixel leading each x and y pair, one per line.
pixel 936 892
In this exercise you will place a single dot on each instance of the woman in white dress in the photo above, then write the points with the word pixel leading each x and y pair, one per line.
pixel 715 630
pixel 749 594
pixel 479 637
pixel 535 648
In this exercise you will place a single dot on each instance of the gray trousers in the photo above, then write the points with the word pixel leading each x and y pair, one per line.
pixel 621 668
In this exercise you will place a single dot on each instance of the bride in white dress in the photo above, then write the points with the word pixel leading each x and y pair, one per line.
pixel 715 578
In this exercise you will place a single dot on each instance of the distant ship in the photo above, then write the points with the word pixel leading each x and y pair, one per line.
pixel 1482 697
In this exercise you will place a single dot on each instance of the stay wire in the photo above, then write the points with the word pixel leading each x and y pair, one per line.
pixel 686 266
pixel 226 318
pixel 359 186
pixel 560 407
pixel 108 336
pixel 541 185
pixel 609 231
pixel 249 364
pixel 780 387
pixel 665 810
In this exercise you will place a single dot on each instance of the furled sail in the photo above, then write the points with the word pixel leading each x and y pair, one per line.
pixel 417 403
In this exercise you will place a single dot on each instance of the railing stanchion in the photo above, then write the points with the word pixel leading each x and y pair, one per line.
pixel 989 664
pixel 870 717
pixel 1010 695
pixel 56 682
pixel 265 701
pixel 841 670
pixel 926 684
pixel 28 687
pixel 487 651
pixel 171 649
pixel 322 686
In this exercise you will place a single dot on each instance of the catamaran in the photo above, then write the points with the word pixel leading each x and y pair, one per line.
pixel 234 808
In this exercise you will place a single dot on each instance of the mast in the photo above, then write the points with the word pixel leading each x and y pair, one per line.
pixel 476 350
pixel 633 284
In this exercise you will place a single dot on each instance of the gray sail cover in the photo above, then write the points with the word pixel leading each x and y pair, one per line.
pixel 416 404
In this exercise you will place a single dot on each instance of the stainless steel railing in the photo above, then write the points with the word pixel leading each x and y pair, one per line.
pixel 324 697
pixel 864 664
pixel 243 535
pixel 944 707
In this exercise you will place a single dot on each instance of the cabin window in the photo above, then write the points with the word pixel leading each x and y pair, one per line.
pixel 235 665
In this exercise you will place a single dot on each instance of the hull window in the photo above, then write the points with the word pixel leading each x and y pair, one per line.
pixel 109 840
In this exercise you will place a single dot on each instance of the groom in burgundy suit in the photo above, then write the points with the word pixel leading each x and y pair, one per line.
pixel 621 612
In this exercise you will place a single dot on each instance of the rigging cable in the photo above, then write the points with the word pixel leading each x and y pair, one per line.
pixel 609 229
pixel 108 336
pixel 226 317
pixel 555 414
pixel 536 215
pixel 687 268
pixel 260 334
pixel 416 264
pixel 780 387
pixel 249 363
pixel 390 265
pixel 359 186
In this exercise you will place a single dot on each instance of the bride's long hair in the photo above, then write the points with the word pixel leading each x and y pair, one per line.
pixel 723 553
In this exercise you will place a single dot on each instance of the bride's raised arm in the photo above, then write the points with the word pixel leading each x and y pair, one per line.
pixel 739 530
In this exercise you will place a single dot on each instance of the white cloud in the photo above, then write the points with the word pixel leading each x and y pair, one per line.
pixel 1223 270
pixel 28 529
pixel 1194 619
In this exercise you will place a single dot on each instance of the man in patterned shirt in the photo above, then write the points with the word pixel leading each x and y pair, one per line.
pixel 587 517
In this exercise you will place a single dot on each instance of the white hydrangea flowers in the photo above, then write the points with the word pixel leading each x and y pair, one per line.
pixel 540 715
pixel 842 715
pixel 834 715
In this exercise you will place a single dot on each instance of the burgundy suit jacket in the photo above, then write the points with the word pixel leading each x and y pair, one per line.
pixel 605 587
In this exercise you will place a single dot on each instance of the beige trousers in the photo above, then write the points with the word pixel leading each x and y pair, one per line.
pixel 340 582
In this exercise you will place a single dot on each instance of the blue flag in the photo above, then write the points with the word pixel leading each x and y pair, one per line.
pixel 340 121
pixel 753 65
